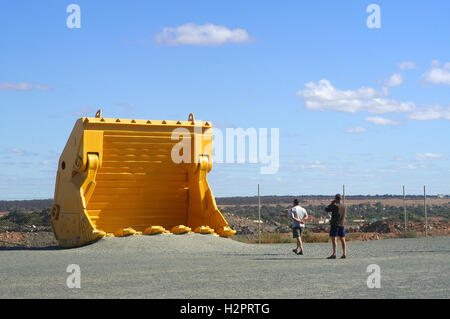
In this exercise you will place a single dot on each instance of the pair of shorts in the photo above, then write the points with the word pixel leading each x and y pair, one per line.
pixel 297 232
pixel 337 231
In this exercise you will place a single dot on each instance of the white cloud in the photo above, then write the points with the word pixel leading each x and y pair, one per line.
pixel 406 65
pixel 313 165
pixel 206 34
pixel 414 166
pixel 394 80
pixel 429 156
pixel 23 86
pixel 438 74
pixel 431 113
pixel 381 121
pixel 323 96
pixel 20 152
pixel 356 130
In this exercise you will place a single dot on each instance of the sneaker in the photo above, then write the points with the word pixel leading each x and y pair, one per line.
pixel 301 252
pixel 331 257
pixel 343 257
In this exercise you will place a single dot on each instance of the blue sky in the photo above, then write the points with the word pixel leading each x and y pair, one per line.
pixel 368 107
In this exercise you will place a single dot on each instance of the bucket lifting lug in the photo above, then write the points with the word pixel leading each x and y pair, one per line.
pixel 89 183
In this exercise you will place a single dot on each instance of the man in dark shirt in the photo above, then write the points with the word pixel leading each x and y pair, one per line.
pixel 338 212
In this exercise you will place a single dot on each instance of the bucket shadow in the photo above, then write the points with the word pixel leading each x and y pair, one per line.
pixel 20 248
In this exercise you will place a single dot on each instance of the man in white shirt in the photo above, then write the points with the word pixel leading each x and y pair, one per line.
pixel 298 215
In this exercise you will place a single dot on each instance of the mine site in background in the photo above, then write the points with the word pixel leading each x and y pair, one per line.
pixel 370 218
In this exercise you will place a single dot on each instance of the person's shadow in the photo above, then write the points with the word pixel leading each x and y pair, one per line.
pixel 289 258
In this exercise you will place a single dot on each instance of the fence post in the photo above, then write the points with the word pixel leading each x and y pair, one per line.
pixel 343 193
pixel 404 208
pixel 425 210
pixel 259 217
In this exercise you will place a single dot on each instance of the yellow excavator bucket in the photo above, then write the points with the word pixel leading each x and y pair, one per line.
pixel 120 177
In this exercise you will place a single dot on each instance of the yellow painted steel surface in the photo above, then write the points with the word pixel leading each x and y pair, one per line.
pixel 118 177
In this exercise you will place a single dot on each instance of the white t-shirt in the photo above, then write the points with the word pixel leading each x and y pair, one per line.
pixel 298 212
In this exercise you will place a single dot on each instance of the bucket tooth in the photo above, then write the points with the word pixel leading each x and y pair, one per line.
pixel 118 177
pixel 180 229
pixel 226 231
pixel 122 232
pixel 154 230
pixel 204 230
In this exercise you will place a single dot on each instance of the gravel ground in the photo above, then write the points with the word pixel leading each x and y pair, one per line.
pixel 27 239
pixel 205 266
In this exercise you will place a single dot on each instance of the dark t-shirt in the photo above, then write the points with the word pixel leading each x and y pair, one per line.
pixel 338 213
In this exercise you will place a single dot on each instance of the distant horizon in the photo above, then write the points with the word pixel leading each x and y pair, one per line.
pixel 299 196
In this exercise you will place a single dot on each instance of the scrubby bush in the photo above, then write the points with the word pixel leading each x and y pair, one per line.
pixel 16 219
pixel 310 237
pixel 410 234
